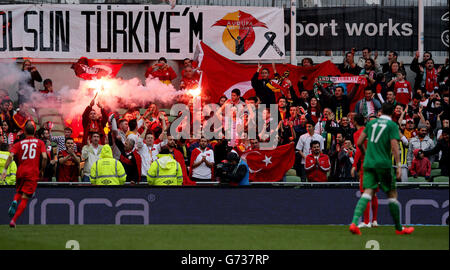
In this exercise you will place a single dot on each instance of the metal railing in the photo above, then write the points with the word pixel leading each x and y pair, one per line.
pixel 265 184
pixel 261 3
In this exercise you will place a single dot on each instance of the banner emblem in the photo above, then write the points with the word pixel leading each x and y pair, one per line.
pixel 239 35
pixel 270 36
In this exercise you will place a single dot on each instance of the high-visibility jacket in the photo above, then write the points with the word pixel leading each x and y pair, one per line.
pixel 107 170
pixel 10 172
pixel 165 171
pixel 403 151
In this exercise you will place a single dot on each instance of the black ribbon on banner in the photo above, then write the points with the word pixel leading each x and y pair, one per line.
pixel 270 36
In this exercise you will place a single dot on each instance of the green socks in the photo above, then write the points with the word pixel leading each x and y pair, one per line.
pixel 394 208
pixel 360 207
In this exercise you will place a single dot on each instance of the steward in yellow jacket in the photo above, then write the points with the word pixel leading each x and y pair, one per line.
pixel 165 171
pixel 107 170
pixel 10 172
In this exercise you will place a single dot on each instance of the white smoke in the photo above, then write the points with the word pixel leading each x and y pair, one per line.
pixel 10 76
pixel 113 94
pixel 116 94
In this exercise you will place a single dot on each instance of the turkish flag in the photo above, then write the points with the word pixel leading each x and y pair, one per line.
pixel 92 69
pixel 270 165
pixel 221 75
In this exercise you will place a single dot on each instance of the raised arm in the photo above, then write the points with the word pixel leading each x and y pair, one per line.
pixel 351 94
pixel 415 63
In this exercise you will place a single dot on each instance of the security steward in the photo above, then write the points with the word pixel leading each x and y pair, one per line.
pixel 12 169
pixel 107 171
pixel 165 171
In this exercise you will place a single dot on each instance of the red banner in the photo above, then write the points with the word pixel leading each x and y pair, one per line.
pixel 220 75
pixel 91 69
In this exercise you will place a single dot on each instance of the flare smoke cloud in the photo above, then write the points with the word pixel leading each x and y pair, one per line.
pixel 110 93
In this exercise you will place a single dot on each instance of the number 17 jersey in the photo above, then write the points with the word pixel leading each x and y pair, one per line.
pixel 27 154
pixel 380 132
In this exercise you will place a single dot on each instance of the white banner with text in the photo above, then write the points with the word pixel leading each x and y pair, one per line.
pixel 140 31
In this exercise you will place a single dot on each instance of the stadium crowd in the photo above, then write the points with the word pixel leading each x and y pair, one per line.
pixel 115 148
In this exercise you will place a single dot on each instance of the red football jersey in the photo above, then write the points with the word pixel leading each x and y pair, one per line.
pixel 28 156
pixel 403 92
pixel 67 172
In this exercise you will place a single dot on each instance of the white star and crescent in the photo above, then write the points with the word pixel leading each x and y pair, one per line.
pixel 267 160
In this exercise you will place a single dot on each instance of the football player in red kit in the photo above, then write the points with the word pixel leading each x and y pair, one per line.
pixel 359 123
pixel 31 158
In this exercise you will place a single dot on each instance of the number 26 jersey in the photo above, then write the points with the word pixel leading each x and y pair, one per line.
pixel 379 133
pixel 27 154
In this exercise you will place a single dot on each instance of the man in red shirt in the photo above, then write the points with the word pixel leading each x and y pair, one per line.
pixel 317 164
pixel 27 153
pixel 93 122
pixel 69 163
pixel 189 79
pixel 162 71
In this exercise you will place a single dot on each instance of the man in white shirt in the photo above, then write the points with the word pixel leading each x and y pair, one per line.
pixel 146 148
pixel 303 145
pixel 90 154
pixel 366 54
pixel 154 148
pixel 202 162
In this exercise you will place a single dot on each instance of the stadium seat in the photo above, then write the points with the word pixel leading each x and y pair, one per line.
pixel 291 172
pixel 417 179
pixel 435 165
pixel 122 111
pixel 435 172
pixel 171 118
pixel 292 178
pixel 54 116
pixel 440 179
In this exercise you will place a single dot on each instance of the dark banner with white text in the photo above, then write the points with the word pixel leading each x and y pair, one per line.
pixel 215 205
pixel 380 28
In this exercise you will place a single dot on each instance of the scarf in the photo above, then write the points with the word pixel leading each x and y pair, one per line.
pixel 339 113
pixel 94 126
pixel 277 84
pixel 430 80
pixel 340 79
pixel 314 114
pixel 326 135
pixel 363 108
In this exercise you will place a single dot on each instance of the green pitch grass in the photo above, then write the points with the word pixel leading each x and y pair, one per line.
pixel 218 237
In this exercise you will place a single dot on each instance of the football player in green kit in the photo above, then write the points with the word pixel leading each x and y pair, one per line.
pixel 382 138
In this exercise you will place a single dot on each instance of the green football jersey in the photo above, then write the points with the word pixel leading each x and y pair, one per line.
pixel 380 132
